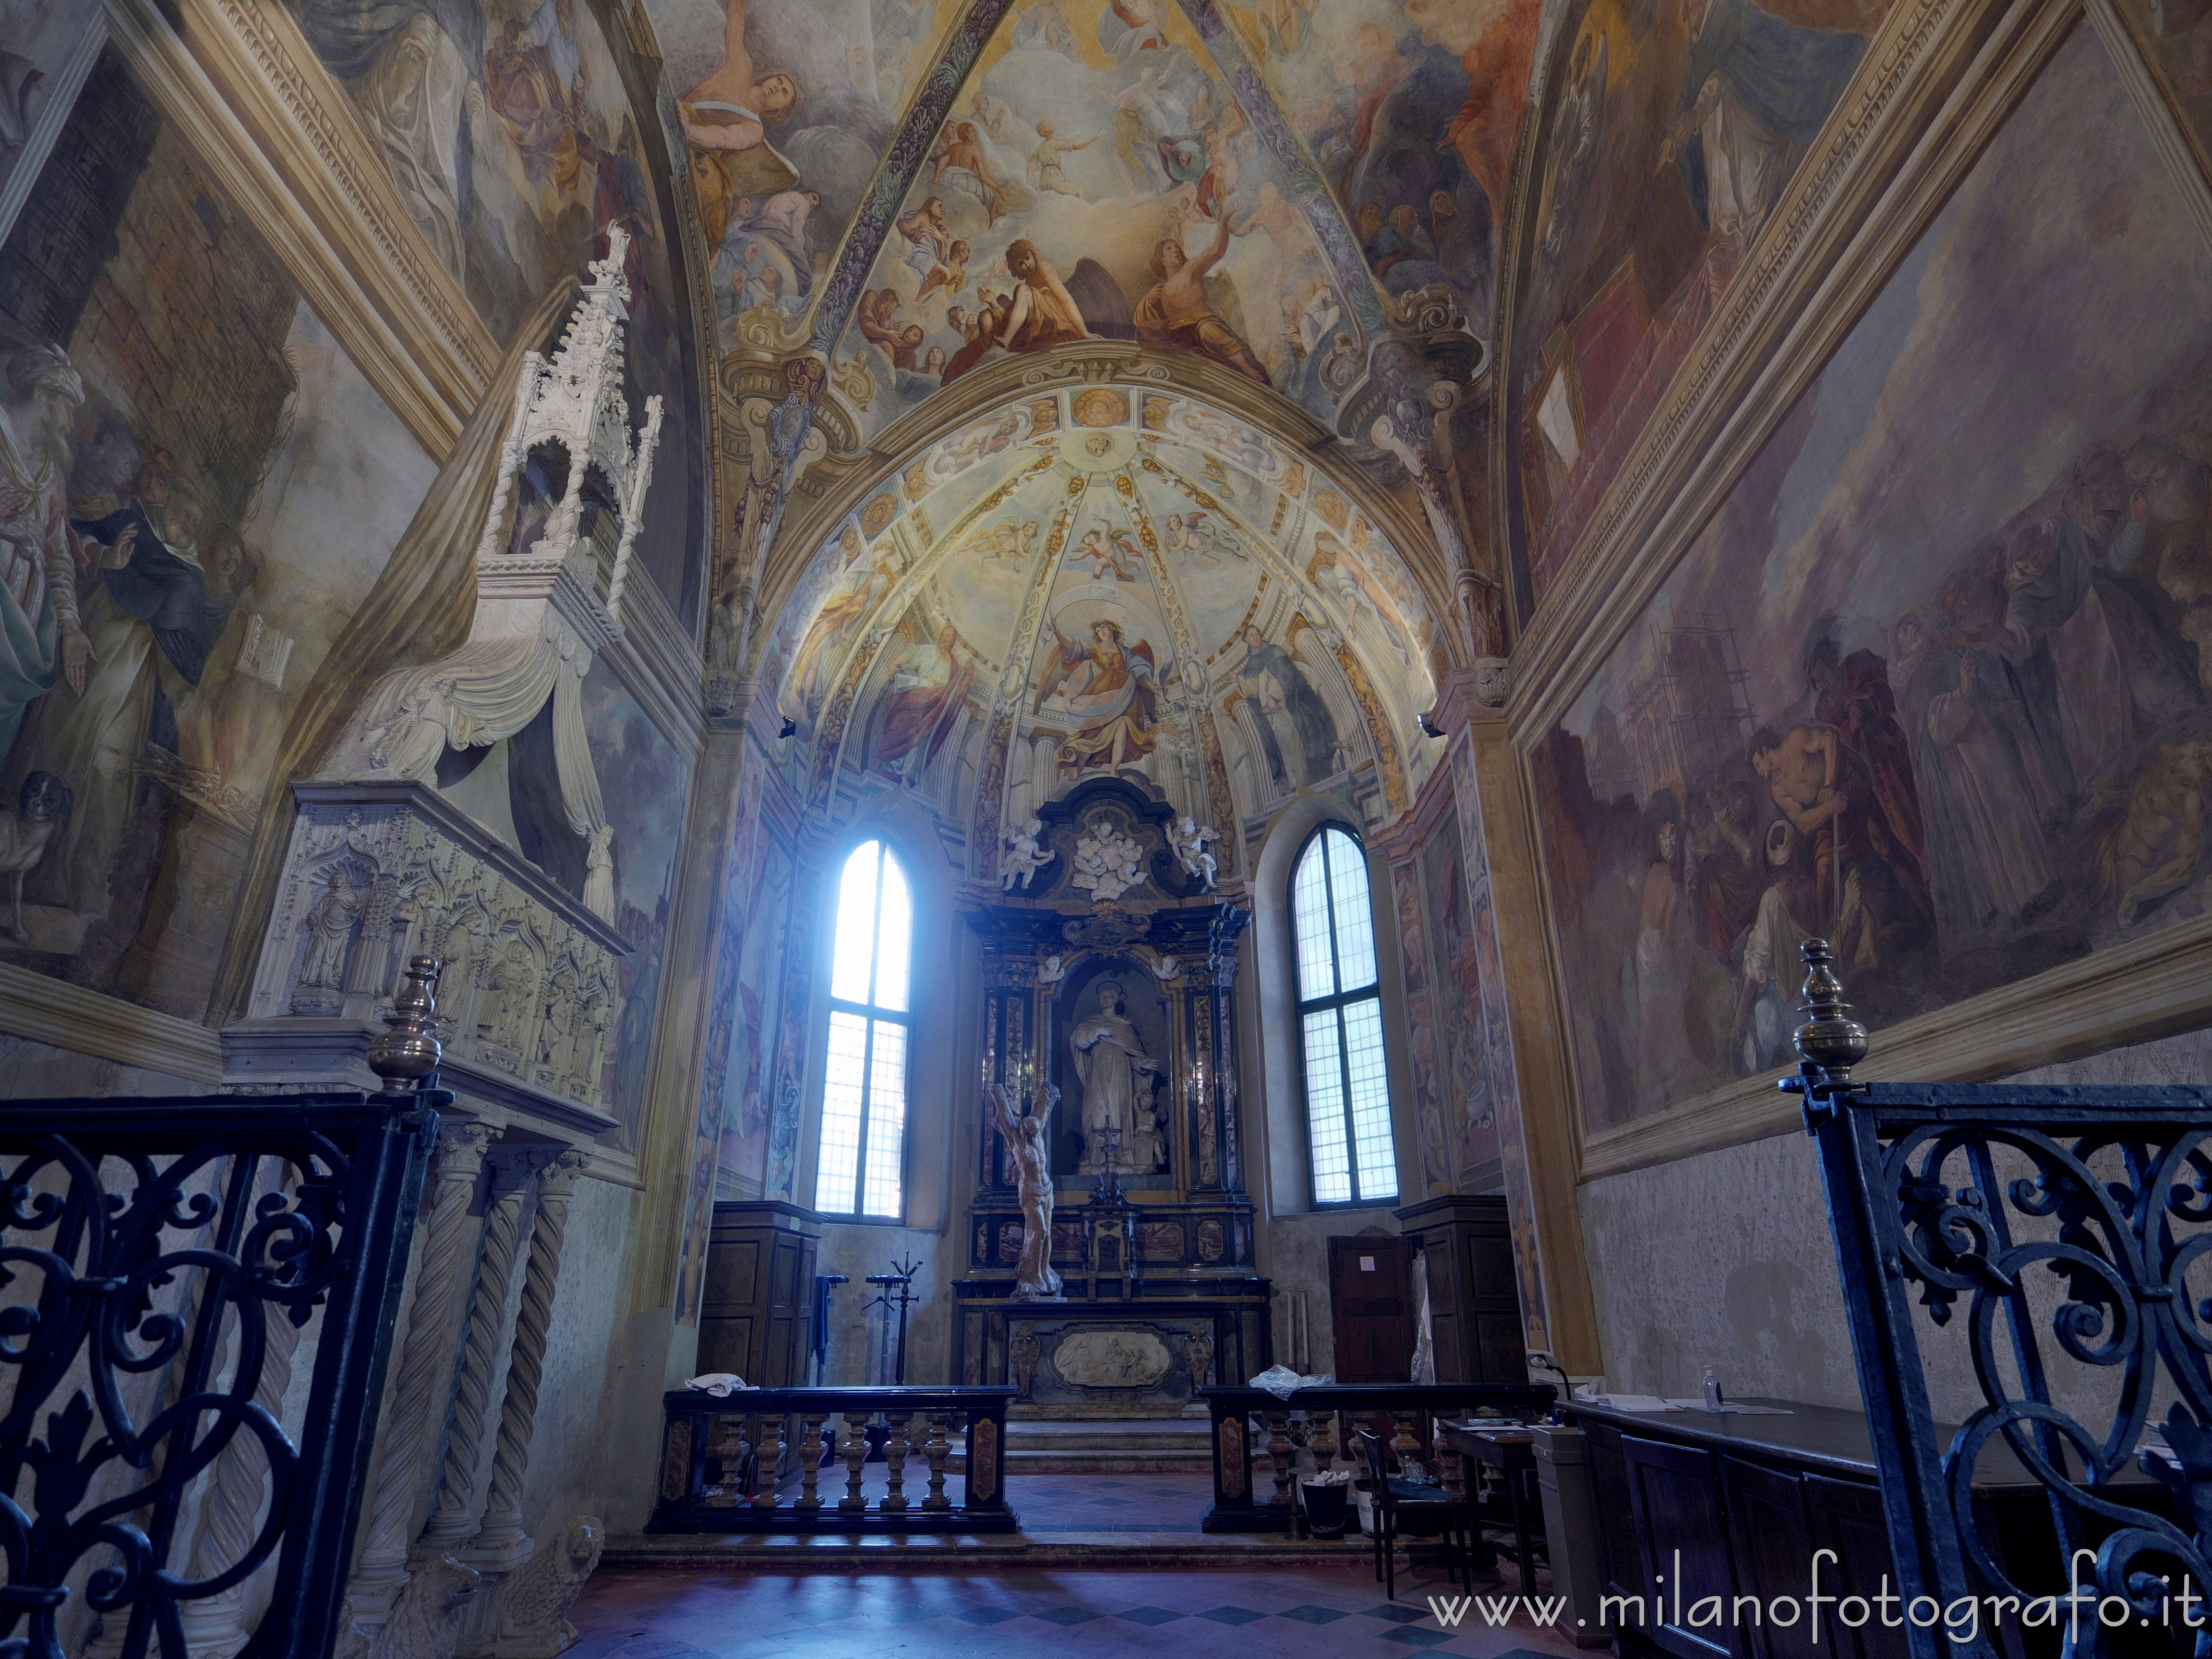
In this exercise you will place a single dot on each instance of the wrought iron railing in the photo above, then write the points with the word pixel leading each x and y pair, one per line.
pixel 162 1263
pixel 1316 1422
pixel 722 1460
pixel 2057 1242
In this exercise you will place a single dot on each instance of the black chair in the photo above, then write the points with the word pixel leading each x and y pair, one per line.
pixel 1435 1511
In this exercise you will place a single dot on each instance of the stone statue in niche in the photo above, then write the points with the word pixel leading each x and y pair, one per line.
pixel 507 998
pixel 330 933
pixel 1188 839
pixel 1118 1079
pixel 1025 858
pixel 1028 1141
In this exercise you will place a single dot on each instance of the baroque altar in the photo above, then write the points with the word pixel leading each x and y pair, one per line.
pixel 1109 1007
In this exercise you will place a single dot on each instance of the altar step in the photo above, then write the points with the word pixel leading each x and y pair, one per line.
pixel 1104 1446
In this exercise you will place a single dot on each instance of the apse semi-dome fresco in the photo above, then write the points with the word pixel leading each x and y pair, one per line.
pixel 1103 581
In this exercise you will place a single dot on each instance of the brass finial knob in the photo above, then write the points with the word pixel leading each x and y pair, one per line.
pixel 1829 1039
pixel 410 1050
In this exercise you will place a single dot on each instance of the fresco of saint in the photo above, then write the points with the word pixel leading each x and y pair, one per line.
pixel 1110 689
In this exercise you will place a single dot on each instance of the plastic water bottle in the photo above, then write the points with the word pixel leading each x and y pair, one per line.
pixel 1713 1384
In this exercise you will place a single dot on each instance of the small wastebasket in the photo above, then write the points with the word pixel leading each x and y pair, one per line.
pixel 1325 1503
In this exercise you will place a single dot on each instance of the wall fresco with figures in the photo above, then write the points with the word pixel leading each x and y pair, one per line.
pixel 180 433
pixel 509 133
pixel 1669 130
pixel 1933 681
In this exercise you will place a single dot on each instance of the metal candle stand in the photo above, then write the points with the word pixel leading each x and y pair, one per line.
pixel 897 1285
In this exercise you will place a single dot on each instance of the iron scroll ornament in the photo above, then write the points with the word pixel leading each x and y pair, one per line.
pixel 2069 1227
pixel 161 1260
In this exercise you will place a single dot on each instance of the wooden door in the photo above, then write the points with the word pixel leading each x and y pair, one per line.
pixel 1370 1300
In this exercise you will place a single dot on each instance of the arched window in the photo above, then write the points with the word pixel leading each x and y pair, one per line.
pixel 864 1061
pixel 1348 1090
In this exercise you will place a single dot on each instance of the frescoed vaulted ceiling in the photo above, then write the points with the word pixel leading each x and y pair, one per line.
pixel 1254 182
pixel 1096 580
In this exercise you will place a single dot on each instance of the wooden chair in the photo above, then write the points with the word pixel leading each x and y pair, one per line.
pixel 1425 1503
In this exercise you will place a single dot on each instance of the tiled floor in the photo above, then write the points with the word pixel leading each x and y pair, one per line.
pixel 1318 1614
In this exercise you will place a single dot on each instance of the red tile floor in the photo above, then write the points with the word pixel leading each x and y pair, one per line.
pixel 1226 1612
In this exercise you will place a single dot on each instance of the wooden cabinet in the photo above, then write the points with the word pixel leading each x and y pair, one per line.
pixel 1475 1300
pixel 1847 1518
pixel 1771 1540
pixel 1680 1525
pixel 756 1317
pixel 1735 1508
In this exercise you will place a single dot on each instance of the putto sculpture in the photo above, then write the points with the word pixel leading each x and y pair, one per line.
pixel 1024 857
pixel 1187 839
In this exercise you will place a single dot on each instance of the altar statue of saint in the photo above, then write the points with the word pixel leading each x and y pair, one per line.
pixel 1117 1087
pixel 1029 1143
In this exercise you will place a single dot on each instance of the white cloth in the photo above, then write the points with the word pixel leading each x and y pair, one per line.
pixel 720 1384
pixel 1282 1382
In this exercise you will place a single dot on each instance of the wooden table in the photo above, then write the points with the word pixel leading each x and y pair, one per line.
pixel 1511 1450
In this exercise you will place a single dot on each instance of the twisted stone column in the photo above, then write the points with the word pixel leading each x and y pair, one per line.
pixel 214 1627
pixel 501 1538
pixel 451 1521
pixel 424 1390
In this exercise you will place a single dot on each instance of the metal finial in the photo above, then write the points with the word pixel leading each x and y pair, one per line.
pixel 1829 1039
pixel 410 1050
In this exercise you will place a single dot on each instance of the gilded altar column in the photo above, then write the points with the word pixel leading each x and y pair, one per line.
pixel 424 1390
pixel 452 1521
pixel 501 1538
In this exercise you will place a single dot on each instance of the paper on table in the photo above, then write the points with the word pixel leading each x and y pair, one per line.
pixel 1731 1405
pixel 1632 1403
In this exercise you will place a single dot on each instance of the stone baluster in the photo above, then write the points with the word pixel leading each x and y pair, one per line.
pixel 500 1537
pixel 856 1455
pixel 937 1448
pixel 1324 1441
pixel 1407 1445
pixel 895 1452
pixel 1454 1464
pixel 452 1520
pixel 769 1469
pixel 729 1455
pixel 1281 1452
pixel 810 1461
pixel 424 1391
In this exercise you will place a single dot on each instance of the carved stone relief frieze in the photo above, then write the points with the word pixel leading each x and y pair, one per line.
pixel 375 873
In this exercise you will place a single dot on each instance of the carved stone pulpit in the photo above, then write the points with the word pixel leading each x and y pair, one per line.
pixel 1110 969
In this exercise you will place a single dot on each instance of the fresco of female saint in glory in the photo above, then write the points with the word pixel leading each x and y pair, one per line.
pixel 1111 687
